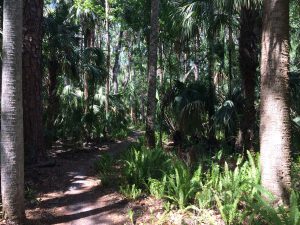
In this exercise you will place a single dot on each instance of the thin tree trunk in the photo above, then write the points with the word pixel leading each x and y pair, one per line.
pixel 160 67
pixel 211 90
pixel 230 50
pixel 196 66
pixel 12 142
pixel 275 135
pixel 53 99
pixel 89 42
pixel 32 80
pixel 248 50
pixel 127 76
pixel 152 72
pixel 211 87
pixel 107 24
pixel 116 69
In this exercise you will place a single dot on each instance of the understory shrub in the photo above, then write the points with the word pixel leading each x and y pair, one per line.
pixel 263 212
pixel 104 167
pixel 131 191
pixel 232 188
pixel 141 165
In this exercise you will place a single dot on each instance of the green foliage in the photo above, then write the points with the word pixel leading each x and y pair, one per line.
pixel 230 187
pixel 182 184
pixel 130 191
pixel 120 133
pixel 277 215
pixel 186 105
pixel 31 195
pixel 104 163
pixel 165 177
pixel 104 168
pixel 295 173
pixel 131 216
pixel 157 188
pixel 88 7
pixel 143 164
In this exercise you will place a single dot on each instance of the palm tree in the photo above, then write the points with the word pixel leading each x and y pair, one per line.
pixel 59 45
pixel 248 57
pixel 152 72
pixel 32 79
pixel 12 145
pixel 275 133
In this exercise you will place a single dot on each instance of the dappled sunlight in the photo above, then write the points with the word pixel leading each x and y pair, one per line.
pixel 78 195
pixel 150 112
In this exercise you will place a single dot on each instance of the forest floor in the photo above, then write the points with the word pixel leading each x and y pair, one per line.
pixel 70 193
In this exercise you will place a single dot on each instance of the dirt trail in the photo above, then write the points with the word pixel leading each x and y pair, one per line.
pixel 71 192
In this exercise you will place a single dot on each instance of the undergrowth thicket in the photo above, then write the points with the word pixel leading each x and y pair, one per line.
pixel 230 186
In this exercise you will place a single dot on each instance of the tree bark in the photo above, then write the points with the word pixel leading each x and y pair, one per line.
pixel 12 142
pixel 32 80
pixel 152 73
pixel 230 51
pixel 107 24
pixel 116 69
pixel 196 66
pixel 89 42
pixel 275 135
pixel 129 76
pixel 160 70
pixel 248 58
pixel 211 90
pixel 53 99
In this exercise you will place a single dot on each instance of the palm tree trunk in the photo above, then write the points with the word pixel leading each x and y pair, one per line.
pixel 12 144
pixel 32 80
pixel 248 50
pixel 275 135
pixel 152 72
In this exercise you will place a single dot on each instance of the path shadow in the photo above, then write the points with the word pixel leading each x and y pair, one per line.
pixel 98 220
pixel 56 185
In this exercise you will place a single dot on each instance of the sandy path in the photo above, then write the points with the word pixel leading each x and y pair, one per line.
pixel 72 193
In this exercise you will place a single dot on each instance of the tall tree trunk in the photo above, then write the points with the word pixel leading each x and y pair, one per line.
pixel 32 80
pixel 128 76
pixel 211 87
pixel 152 72
pixel 1 43
pixel 53 99
pixel 275 135
pixel 107 24
pixel 230 51
pixel 248 57
pixel 116 69
pixel 12 142
pixel 196 50
pixel 89 42
pixel 160 70
pixel 211 90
